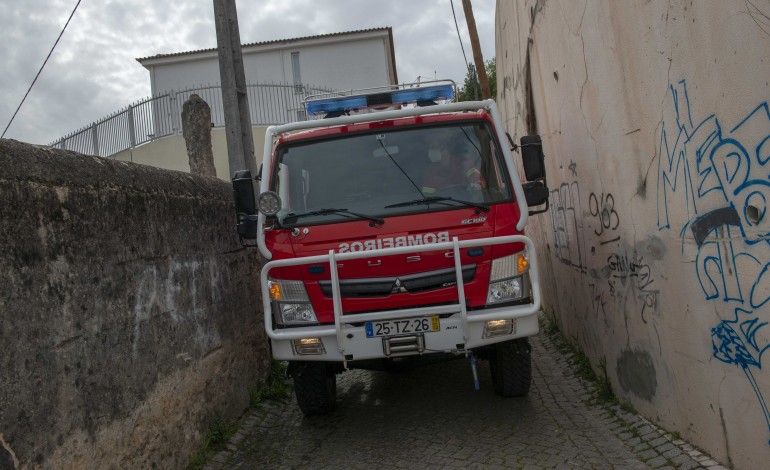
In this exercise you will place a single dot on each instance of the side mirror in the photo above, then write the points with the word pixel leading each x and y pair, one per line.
pixel 532 157
pixel 536 188
pixel 536 193
pixel 245 205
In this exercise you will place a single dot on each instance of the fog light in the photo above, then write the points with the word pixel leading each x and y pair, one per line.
pixel 504 291
pixel 495 328
pixel 269 203
pixel 308 347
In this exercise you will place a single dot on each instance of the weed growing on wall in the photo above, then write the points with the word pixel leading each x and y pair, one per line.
pixel 579 361
pixel 275 388
pixel 220 431
pixel 217 435
pixel 603 381
pixel 582 368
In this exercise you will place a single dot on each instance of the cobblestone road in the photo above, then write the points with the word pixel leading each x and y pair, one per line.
pixel 433 418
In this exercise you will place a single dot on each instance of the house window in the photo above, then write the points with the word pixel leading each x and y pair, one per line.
pixel 295 72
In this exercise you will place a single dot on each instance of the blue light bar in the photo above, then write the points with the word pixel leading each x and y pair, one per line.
pixel 335 105
pixel 398 97
pixel 433 93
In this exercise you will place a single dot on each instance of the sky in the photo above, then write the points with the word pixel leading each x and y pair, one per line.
pixel 93 71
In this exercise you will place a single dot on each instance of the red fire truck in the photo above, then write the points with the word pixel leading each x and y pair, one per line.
pixel 395 237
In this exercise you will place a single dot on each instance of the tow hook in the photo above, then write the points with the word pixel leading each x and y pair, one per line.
pixel 476 384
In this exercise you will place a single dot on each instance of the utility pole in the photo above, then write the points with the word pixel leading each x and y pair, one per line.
pixel 240 142
pixel 478 59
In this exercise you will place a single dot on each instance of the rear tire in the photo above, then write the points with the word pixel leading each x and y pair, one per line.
pixel 511 367
pixel 315 386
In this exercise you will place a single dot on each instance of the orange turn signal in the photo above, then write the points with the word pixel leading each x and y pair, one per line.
pixel 522 263
pixel 275 290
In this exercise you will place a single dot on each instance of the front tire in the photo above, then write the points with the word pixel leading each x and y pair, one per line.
pixel 315 386
pixel 511 367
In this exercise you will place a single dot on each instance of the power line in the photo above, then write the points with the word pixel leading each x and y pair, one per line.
pixel 42 66
pixel 451 2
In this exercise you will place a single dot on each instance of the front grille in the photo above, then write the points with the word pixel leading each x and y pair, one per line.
pixel 412 283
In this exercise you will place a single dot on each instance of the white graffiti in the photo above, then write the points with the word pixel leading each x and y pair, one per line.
pixel 174 291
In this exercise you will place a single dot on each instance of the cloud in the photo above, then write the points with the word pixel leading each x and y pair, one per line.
pixel 93 71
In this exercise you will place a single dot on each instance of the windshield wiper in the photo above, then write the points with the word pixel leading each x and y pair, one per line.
pixel 292 217
pixel 439 200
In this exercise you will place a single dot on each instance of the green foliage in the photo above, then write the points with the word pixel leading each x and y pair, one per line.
pixel 551 327
pixel 584 369
pixel 217 435
pixel 628 407
pixel 491 68
pixel 220 431
pixel 471 89
pixel 605 386
pixel 197 461
pixel 580 362
pixel 275 387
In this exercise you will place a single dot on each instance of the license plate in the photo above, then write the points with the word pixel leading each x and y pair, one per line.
pixel 400 327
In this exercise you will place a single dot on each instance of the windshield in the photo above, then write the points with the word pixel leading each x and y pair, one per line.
pixel 382 173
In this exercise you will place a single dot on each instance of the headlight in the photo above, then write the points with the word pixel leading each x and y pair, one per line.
pixel 509 278
pixel 291 305
pixel 297 313
pixel 504 291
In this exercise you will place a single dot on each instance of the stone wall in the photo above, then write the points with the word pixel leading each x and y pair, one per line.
pixel 129 315
pixel 655 124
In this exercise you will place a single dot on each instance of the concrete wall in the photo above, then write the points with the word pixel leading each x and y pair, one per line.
pixel 171 153
pixel 654 118
pixel 128 313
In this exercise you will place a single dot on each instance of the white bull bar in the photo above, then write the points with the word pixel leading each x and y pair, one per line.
pixel 340 318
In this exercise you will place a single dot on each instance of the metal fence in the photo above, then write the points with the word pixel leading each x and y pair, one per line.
pixel 161 116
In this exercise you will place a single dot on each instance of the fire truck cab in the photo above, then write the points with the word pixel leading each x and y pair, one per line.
pixel 395 237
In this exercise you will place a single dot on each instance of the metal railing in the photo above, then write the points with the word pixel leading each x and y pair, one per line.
pixel 161 116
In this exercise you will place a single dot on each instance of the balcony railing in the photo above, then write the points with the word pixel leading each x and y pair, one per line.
pixel 161 116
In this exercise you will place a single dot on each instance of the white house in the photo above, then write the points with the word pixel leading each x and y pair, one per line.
pixel 339 61
pixel 279 74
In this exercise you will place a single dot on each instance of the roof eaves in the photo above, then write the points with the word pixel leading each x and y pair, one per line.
pixel 269 43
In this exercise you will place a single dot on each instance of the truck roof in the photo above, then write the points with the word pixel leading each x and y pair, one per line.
pixel 382 123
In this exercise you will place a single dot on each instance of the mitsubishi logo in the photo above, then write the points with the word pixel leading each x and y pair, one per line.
pixel 397 287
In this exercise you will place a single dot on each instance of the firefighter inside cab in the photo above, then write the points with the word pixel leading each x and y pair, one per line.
pixel 452 165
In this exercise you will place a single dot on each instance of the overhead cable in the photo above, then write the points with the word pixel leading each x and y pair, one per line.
pixel 42 66
pixel 451 2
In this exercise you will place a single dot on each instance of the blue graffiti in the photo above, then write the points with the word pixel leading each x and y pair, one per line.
pixel 711 168
pixel 741 349
pixel 714 184
pixel 718 264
